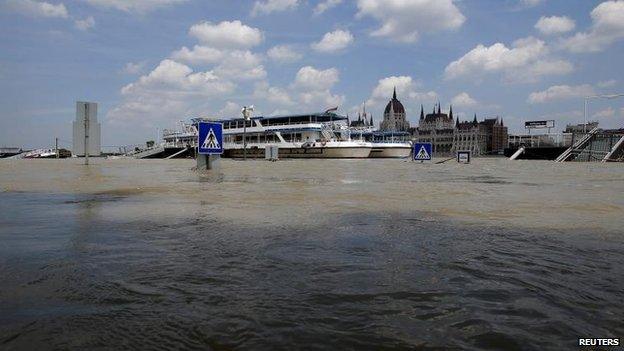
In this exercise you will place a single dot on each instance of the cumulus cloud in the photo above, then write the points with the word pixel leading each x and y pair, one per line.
pixel 269 6
pixel 167 93
pixel 526 60
pixel 274 95
pixel 405 20
pixel 283 53
pixel 198 55
pixel 607 28
pixel 85 24
pixel 35 9
pixel 334 41
pixel 134 68
pixel 240 65
pixel 325 5
pixel 406 88
pixel 530 3
pixel 227 34
pixel 463 100
pixel 606 113
pixel 138 6
pixel 314 86
pixel 554 25
pixel 231 109
pixel 607 83
pixel 561 92
pixel 311 78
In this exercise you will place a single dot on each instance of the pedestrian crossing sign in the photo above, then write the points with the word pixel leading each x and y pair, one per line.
pixel 210 138
pixel 422 151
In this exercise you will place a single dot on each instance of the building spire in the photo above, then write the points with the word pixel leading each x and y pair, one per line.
pixel 475 119
pixel 422 112
pixel 451 112
pixel 372 123
pixel 394 93
pixel 439 110
pixel 457 123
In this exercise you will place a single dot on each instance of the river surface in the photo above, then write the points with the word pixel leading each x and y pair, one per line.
pixel 310 254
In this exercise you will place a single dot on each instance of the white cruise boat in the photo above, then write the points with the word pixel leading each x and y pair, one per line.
pixel 385 144
pixel 314 135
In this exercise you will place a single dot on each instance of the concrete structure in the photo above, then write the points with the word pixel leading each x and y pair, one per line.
pixel 394 119
pixel 88 124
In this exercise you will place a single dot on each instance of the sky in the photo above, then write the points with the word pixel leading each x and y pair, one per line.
pixel 152 63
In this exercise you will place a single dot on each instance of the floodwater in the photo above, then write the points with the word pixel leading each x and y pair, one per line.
pixel 310 254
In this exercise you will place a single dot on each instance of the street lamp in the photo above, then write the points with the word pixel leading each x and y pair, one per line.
pixel 246 111
pixel 602 96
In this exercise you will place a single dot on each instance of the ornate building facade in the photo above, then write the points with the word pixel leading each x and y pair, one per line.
pixel 449 136
pixel 394 118
pixel 436 128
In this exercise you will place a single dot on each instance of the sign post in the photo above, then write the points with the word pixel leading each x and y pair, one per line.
pixel 422 152
pixel 463 156
pixel 209 145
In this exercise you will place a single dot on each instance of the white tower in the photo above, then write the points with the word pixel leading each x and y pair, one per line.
pixel 86 121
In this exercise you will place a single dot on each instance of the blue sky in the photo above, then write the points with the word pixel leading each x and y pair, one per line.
pixel 151 63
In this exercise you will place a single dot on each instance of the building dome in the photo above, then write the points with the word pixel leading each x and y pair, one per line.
pixel 395 104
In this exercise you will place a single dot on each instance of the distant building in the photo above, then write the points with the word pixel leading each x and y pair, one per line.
pixel 437 128
pixel 364 120
pixel 496 135
pixel 394 118
pixel 449 136
pixel 470 136
pixel 90 109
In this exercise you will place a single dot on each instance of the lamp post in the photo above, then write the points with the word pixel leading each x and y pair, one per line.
pixel 246 111
pixel 602 96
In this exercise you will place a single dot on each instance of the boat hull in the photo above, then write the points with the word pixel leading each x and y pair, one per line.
pixel 301 152
pixel 390 152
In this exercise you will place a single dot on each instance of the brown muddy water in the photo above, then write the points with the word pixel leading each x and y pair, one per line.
pixel 310 254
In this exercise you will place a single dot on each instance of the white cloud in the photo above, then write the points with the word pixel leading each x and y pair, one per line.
pixel 269 6
pixel 227 34
pixel 607 28
pixel 334 41
pixel 283 53
pixel 232 64
pixel 325 5
pixel 554 25
pixel 606 113
pixel 168 92
pixel 530 3
pixel 526 60
pixel 314 87
pixel 85 24
pixel 405 20
pixel 173 75
pixel 198 55
pixel 241 65
pixel 273 95
pixel 311 78
pixel 561 92
pixel 139 6
pixel 134 68
pixel 35 9
pixel 406 89
pixel 463 100
pixel 230 110
pixel 540 68
pixel 607 83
